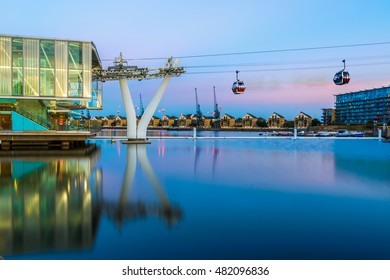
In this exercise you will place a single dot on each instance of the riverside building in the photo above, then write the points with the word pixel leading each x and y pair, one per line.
pixel 42 82
pixel 363 106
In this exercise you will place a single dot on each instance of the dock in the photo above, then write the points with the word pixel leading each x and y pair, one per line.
pixel 63 140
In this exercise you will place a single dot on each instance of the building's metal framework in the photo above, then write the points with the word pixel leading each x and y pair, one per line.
pixel 120 70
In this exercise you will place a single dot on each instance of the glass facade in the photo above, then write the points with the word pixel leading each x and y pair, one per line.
pixel 17 67
pixel 75 62
pixel 363 106
pixel 47 68
pixel 5 65
pixel 31 67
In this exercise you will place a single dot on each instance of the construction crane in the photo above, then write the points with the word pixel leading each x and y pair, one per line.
pixel 217 113
pixel 198 111
pixel 141 106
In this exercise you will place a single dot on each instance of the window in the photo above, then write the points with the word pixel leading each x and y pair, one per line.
pixel 47 64
pixel 31 66
pixel 17 66
pixel 75 62
pixel 5 65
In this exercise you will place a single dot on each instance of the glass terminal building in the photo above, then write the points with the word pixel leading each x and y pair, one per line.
pixel 363 106
pixel 44 80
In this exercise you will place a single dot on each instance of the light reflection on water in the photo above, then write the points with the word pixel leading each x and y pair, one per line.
pixel 222 199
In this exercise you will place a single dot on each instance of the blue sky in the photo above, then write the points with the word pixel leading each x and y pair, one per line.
pixel 149 29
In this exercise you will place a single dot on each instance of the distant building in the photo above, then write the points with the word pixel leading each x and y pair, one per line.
pixel 276 121
pixel 227 121
pixel 120 121
pixel 249 121
pixel 207 121
pixel 238 122
pixel 168 121
pixel 302 121
pixel 185 120
pixel 328 116
pixel 104 121
pixel 196 121
pixel 363 106
pixel 155 122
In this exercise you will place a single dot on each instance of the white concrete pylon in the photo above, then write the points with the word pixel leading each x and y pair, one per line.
pixel 149 171
pixel 148 114
pixel 131 164
pixel 129 109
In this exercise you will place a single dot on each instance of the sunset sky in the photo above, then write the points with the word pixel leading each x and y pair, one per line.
pixel 293 48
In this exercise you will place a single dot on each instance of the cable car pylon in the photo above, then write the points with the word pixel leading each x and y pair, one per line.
pixel 136 134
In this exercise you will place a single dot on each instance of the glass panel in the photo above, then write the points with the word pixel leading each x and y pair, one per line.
pixel 61 73
pixel 87 66
pixel 96 101
pixel 75 69
pixel 17 66
pixel 75 83
pixel 47 62
pixel 31 66
pixel 5 65
pixel 75 55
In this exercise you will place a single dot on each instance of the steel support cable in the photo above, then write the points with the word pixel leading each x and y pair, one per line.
pixel 264 51
pixel 291 62
pixel 287 69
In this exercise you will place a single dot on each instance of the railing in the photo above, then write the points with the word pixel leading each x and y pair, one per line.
pixel 77 125
pixel 33 117
pixel 58 125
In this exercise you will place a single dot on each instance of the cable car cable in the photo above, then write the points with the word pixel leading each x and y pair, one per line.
pixel 264 51
pixel 291 62
pixel 286 69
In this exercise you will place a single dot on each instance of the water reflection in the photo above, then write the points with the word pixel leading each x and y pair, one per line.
pixel 126 209
pixel 54 203
pixel 215 152
pixel 49 202
pixel 310 166
pixel 242 199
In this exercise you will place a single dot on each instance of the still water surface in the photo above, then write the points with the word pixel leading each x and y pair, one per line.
pixel 200 199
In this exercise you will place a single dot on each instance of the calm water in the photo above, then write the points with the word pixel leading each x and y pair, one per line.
pixel 202 199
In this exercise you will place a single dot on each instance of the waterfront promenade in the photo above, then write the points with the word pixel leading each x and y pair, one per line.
pixel 43 139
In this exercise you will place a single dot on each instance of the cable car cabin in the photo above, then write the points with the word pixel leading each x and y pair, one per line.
pixel 238 87
pixel 341 78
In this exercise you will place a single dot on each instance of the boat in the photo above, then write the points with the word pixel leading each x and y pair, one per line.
pixel 356 134
pixel 268 133
pixel 285 133
pixel 343 133
pixel 326 134
pixel 346 133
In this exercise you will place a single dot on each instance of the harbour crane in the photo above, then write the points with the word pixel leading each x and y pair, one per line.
pixel 141 106
pixel 217 113
pixel 198 111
